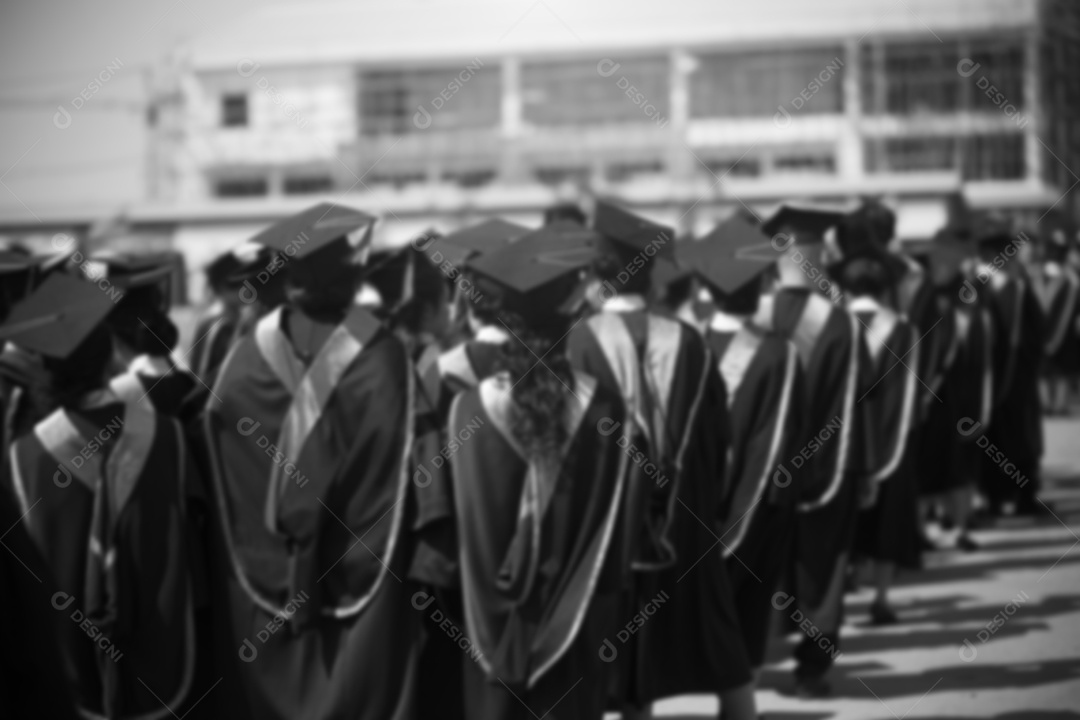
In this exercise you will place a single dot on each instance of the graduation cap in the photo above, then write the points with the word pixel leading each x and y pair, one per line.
pixel 459 246
pixel 623 226
pixel 539 272
pixel 730 257
pixel 311 230
pixel 129 270
pixel 57 317
pixel 808 224
pixel 17 273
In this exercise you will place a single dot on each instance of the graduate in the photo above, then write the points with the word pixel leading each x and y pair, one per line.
pixel 103 487
pixel 765 389
pixel 538 481
pixel 143 335
pixel 309 429
pixel 1057 288
pixel 837 436
pixel 214 329
pixel 669 382
pixel 888 533
pixel 1015 425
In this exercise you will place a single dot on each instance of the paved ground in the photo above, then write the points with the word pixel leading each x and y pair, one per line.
pixel 1028 575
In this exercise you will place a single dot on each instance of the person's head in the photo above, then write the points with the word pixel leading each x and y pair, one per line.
pixel 798 235
pixel 865 277
pixel 623 267
pixel 628 249
pixel 142 331
pixel 322 284
pixel 422 309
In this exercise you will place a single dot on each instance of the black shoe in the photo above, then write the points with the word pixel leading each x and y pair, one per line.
pixel 809 688
pixel 965 543
pixel 882 614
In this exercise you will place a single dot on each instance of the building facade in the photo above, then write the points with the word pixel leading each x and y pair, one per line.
pixel 826 101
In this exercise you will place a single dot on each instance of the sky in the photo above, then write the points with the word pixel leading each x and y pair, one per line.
pixel 51 53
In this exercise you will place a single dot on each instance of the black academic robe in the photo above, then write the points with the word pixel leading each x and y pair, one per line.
pixel 968 392
pixel 839 447
pixel 157 380
pixel 937 410
pixel 214 334
pixel 103 493
pixel 1057 289
pixel 29 686
pixel 462 367
pixel 435 554
pixel 310 481
pixel 1016 422
pixel 676 493
pixel 764 383
pixel 535 541
pixel 888 529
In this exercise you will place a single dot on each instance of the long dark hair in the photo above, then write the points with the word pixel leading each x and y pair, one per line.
pixel 540 389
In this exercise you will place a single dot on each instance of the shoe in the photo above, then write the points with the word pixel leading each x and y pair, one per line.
pixel 882 614
pixel 965 543
pixel 809 688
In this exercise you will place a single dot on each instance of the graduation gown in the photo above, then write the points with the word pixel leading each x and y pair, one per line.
pixel 838 446
pixel 764 383
pixel 936 405
pixel 157 380
pixel 676 495
pixel 310 477
pixel 1016 420
pixel 888 529
pixel 107 511
pixel 535 540
pixel 28 682
pixel 1057 289
pixel 213 337
pixel 465 364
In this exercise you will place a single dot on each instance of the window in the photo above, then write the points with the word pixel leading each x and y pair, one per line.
pixel 241 187
pixel 559 175
pixel 469 178
pixel 805 163
pixel 752 84
pixel 994 157
pixel 397 102
pixel 627 171
pixel 234 110
pixel 398 180
pixel 747 166
pixel 305 185
pixel 977 157
pixel 573 92
pixel 904 78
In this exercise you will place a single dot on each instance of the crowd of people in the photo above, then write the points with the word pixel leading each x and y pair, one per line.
pixel 507 472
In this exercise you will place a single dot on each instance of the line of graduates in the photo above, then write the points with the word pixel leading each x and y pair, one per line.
pixel 502 473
